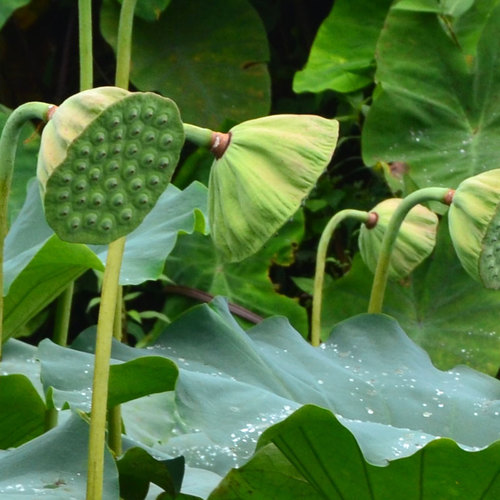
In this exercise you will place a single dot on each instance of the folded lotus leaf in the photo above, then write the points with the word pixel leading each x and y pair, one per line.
pixel 474 223
pixel 105 158
pixel 269 167
pixel 415 241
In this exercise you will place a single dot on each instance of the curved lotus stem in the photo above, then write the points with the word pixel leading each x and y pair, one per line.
pixel 8 148
pixel 443 195
pixel 365 217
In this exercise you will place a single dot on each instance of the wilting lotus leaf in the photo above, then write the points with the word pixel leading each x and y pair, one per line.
pixel 269 167
pixel 415 241
pixel 105 158
pixel 474 222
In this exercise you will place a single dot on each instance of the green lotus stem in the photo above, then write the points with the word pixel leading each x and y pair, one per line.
pixel 124 46
pixel 109 294
pixel 114 413
pixel 85 43
pixel 8 148
pixel 382 269
pixel 319 274
pixel 200 136
pixel 105 323
pixel 63 315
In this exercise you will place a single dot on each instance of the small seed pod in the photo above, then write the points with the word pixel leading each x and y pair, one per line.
pixel 260 179
pixel 474 223
pixel 414 243
pixel 100 146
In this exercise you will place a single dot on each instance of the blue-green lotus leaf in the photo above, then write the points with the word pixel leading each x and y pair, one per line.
pixel 269 167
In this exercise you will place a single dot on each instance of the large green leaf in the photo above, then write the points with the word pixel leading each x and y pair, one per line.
pixel 195 263
pixel 148 246
pixel 322 458
pixel 54 466
pixel 342 57
pixel 437 106
pixel 46 276
pixel 68 374
pixel 210 61
pixel 440 306
pixel 234 384
pixel 23 412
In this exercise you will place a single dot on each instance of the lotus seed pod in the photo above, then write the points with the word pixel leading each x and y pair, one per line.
pixel 474 223
pixel 106 156
pixel 414 243
pixel 269 166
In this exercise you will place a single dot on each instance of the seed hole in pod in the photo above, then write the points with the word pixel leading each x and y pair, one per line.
pixel 154 180
pixel 112 183
pixel 81 200
pixel 64 210
pixel 136 184
pixel 148 113
pixel 117 134
pixel 99 137
pixel 149 136
pixel 147 159
pixel 162 120
pixel 91 219
pixel 106 224
pixel 118 200
pixel 116 149
pixel 66 178
pixel 75 222
pixel 100 154
pixel 163 162
pixel 115 121
pixel 135 130
pixel 132 150
pixel 84 150
pixel 133 114
pixel 113 166
pixel 126 214
pixel 130 170
pixel 63 195
pixel 81 166
pixel 97 199
pixel 80 185
pixel 142 199
pixel 166 140
pixel 95 174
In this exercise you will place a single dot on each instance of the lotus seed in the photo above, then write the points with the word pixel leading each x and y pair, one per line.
pixel 112 183
pixel 148 159
pixel 163 162
pixel 91 219
pixel 65 210
pixel 162 120
pixel 100 154
pixel 166 140
pixel 126 214
pixel 106 224
pixel 81 166
pixel 81 185
pixel 82 200
pixel 66 178
pixel 115 121
pixel 149 136
pixel 84 150
pixel 130 170
pixel 99 137
pixel 97 199
pixel 143 199
pixel 132 150
pixel 134 132
pixel 117 149
pixel 136 184
pixel 118 200
pixel 63 195
pixel 148 113
pixel 113 166
pixel 95 174
pixel 117 134
pixel 133 114
pixel 75 223
pixel 154 180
